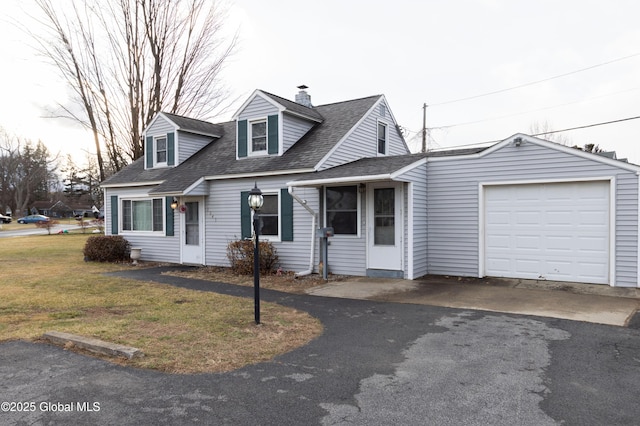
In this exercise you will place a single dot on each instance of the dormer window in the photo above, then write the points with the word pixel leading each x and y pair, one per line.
pixel 259 136
pixel 161 150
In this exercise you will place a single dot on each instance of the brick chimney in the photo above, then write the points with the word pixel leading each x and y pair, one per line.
pixel 303 97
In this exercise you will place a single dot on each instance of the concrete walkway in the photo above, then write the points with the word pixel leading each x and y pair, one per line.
pixel 600 304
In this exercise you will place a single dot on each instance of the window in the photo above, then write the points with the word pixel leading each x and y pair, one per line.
pixel 161 150
pixel 276 215
pixel 142 215
pixel 269 215
pixel 342 209
pixel 259 136
pixel 382 138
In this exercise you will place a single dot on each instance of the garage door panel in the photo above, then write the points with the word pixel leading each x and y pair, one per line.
pixel 559 217
pixel 560 267
pixel 558 243
pixel 498 218
pixel 528 267
pixel 592 271
pixel 594 245
pixel 527 242
pixel 528 218
pixel 500 265
pixel 556 231
pixel 593 218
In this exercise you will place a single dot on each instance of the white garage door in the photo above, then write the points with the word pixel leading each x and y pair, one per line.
pixel 554 231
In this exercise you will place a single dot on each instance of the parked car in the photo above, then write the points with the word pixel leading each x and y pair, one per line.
pixel 5 219
pixel 34 218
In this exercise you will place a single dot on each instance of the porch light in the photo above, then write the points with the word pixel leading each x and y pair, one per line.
pixel 255 201
pixel 174 203
pixel 255 198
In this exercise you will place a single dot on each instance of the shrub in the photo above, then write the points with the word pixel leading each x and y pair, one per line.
pixel 240 255
pixel 106 248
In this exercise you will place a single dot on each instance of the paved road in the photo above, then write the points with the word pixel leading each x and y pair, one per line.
pixel 376 364
pixel 29 230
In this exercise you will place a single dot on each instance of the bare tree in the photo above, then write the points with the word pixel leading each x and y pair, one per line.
pixel 27 172
pixel 543 130
pixel 125 60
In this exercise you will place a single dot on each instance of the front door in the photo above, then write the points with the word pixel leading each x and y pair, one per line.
pixel 192 237
pixel 384 230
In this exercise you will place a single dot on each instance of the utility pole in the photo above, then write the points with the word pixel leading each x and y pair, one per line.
pixel 424 127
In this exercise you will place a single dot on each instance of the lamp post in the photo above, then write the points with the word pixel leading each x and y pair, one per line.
pixel 255 201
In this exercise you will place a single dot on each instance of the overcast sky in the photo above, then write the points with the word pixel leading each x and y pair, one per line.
pixel 448 54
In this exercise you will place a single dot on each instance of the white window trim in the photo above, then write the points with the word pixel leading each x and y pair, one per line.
pixel 155 151
pixel 386 137
pixel 358 212
pixel 250 123
pixel 272 238
pixel 123 231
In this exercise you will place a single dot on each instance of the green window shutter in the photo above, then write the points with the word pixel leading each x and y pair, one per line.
pixel 114 215
pixel 169 213
pixel 242 138
pixel 148 152
pixel 171 149
pixel 272 136
pixel 245 215
pixel 286 209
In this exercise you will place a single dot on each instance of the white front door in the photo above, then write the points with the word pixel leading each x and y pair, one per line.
pixel 192 236
pixel 384 226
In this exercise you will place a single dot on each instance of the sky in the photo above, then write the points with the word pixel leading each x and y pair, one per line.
pixel 487 69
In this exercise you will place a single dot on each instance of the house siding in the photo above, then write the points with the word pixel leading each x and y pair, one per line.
pixel 363 141
pixel 188 144
pixel 258 108
pixel 293 129
pixel 161 126
pixel 224 221
pixel 453 218
pixel 158 248
pixel 419 187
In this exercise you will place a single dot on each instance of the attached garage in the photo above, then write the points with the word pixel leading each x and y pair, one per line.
pixel 553 231
pixel 533 209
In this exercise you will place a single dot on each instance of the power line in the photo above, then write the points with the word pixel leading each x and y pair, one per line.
pixel 588 125
pixel 466 123
pixel 534 82
pixel 554 131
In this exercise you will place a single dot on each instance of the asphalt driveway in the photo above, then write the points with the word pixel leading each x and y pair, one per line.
pixel 375 363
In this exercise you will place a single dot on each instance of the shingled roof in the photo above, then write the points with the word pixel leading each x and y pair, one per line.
pixel 192 125
pixel 295 107
pixel 371 167
pixel 218 158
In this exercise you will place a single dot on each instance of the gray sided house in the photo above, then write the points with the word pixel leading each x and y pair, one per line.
pixel 524 207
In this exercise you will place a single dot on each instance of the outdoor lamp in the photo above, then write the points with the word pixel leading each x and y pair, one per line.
pixel 255 198
pixel 174 203
pixel 255 201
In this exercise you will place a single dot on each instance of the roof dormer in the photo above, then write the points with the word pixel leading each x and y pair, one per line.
pixel 170 139
pixel 269 125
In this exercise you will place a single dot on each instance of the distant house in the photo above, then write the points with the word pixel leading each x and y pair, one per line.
pixel 524 207
pixel 57 209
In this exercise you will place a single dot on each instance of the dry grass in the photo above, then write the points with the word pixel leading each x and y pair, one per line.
pixel 47 286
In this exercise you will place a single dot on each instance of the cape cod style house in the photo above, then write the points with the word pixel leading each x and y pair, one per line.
pixel 524 207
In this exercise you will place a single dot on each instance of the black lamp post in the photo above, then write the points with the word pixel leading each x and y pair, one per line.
pixel 255 202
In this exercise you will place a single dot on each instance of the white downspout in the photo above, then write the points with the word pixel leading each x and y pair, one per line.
pixel 314 216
